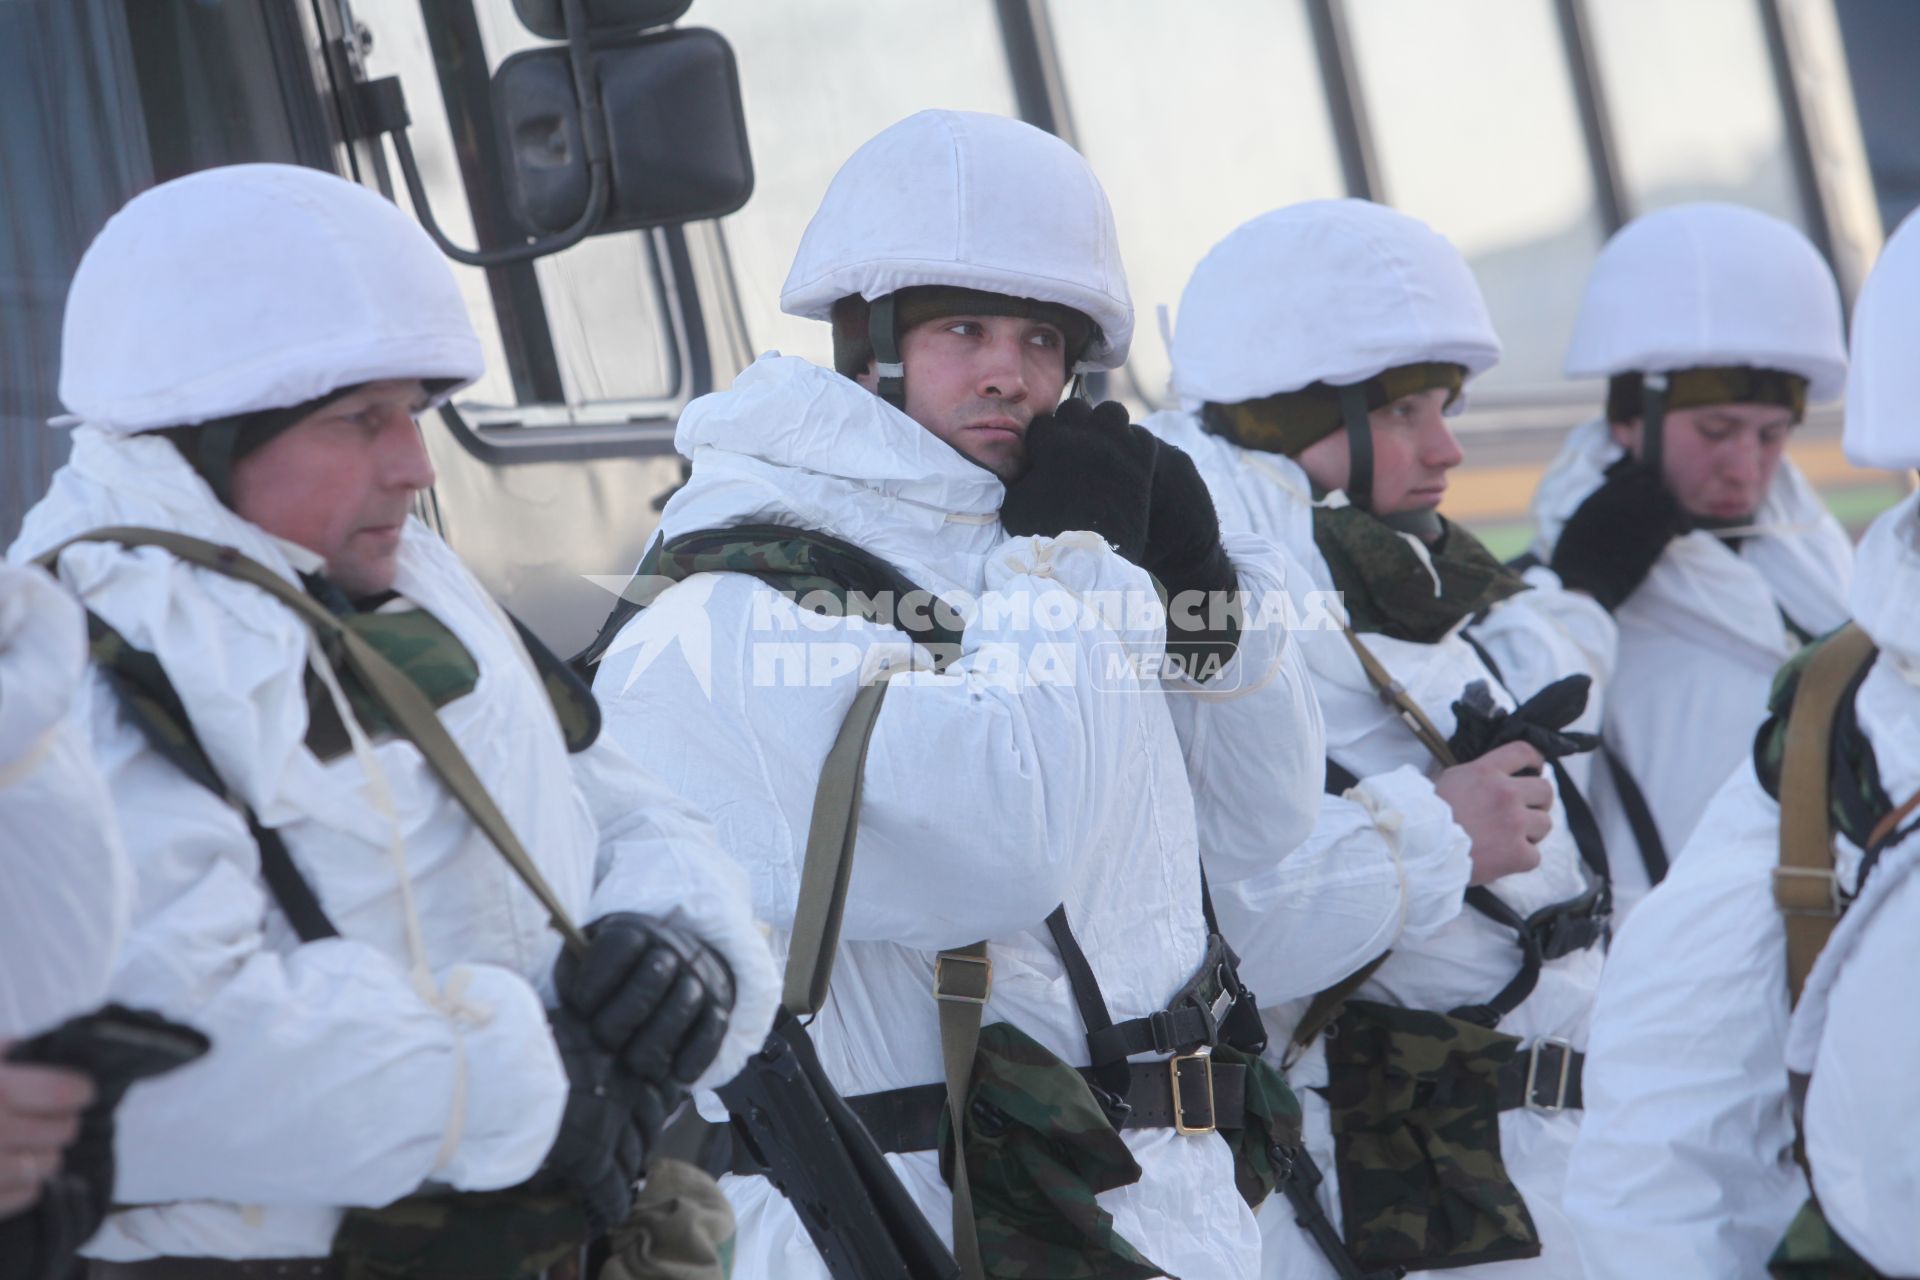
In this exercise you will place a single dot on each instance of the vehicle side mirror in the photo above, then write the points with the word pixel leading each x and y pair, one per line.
pixel 546 17
pixel 675 128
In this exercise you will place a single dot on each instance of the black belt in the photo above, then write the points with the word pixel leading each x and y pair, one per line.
pixel 216 1269
pixel 1546 1075
pixel 1211 1096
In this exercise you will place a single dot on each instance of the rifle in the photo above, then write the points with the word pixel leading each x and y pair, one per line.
pixel 786 1113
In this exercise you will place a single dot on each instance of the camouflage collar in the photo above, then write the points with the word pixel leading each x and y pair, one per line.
pixel 1390 588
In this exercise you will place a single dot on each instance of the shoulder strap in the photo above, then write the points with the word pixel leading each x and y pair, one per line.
pixel 1395 695
pixel 962 976
pixel 1805 888
pixel 151 702
pixel 410 710
pixel 1633 803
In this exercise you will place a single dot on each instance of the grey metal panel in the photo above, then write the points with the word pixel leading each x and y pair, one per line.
pixel 73 148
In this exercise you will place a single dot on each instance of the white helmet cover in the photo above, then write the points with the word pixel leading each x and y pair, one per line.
pixel 1881 430
pixel 1708 285
pixel 1333 291
pixel 970 200
pixel 255 286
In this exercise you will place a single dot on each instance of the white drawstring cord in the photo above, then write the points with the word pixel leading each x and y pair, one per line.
pixel 451 1001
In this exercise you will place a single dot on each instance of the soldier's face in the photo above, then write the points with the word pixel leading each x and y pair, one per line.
pixel 341 481
pixel 977 381
pixel 1412 452
pixel 1719 459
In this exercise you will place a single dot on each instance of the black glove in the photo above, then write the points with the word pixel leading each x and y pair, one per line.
pixel 655 996
pixel 1087 468
pixel 611 1121
pixel 1611 543
pixel 1541 721
pixel 115 1047
pixel 1184 553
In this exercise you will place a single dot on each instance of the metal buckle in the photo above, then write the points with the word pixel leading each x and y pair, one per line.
pixel 1565 1047
pixel 1203 1055
pixel 1790 885
pixel 985 974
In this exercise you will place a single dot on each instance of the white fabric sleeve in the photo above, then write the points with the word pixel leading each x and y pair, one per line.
pixel 65 889
pixel 1383 861
pixel 1864 1089
pixel 659 856
pixel 1683 1165
pixel 1254 740
pixel 1043 725
pixel 1546 633
pixel 328 1050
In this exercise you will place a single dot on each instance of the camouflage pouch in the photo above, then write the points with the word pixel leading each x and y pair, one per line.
pixel 1416 1127
pixel 1273 1121
pixel 1039 1149
pixel 491 1235
pixel 1813 1250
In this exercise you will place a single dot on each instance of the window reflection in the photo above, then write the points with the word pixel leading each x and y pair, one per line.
pixel 1476 130
pixel 1228 120
pixel 818 79
pixel 1695 104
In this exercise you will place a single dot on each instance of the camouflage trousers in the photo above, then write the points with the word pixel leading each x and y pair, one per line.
pixel 492 1235
pixel 1415 1106
pixel 1813 1250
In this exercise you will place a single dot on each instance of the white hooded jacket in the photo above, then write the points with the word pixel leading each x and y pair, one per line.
pixel 1855 1032
pixel 1386 866
pixel 1700 641
pixel 1686 1166
pixel 414 1047
pixel 64 887
pixel 989 797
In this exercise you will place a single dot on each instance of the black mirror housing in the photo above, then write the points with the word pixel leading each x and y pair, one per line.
pixel 545 18
pixel 675 126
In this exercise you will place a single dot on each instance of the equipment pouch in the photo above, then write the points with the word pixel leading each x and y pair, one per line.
pixel 1272 1131
pixel 1415 1104
pixel 492 1235
pixel 1813 1250
pixel 1039 1150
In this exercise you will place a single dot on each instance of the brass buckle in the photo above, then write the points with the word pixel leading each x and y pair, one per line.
pixel 1790 886
pixel 1559 1102
pixel 984 973
pixel 1203 1055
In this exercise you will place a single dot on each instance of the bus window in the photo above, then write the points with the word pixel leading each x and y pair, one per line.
pixel 1694 104
pixel 581 337
pixel 818 79
pixel 1477 131
pixel 1226 118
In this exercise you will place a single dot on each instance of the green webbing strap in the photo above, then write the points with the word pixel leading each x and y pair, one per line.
pixel 962 980
pixel 1326 1005
pixel 962 976
pixel 829 857
pixel 410 710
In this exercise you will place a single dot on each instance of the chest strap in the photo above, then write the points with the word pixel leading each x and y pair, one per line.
pixel 1554 931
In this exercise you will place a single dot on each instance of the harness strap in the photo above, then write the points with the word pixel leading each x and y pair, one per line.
pixel 412 713
pixel 908 1119
pixel 1646 832
pixel 1555 930
pixel 1805 887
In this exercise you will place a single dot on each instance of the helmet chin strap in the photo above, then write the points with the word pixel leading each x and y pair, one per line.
pixel 1653 422
pixel 1422 522
pixel 892 385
